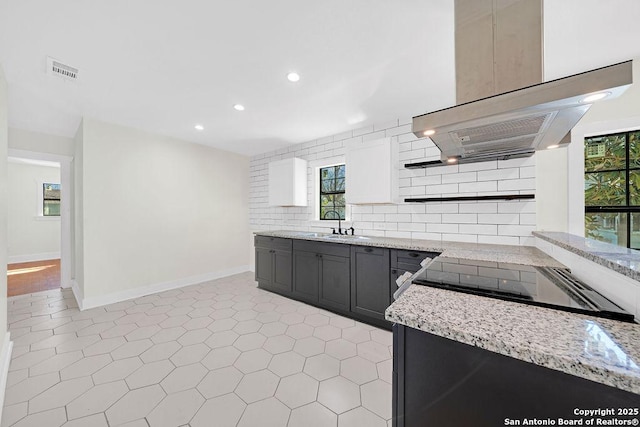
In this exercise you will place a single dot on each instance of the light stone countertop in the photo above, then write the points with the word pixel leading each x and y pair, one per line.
pixel 623 260
pixel 526 255
pixel 601 350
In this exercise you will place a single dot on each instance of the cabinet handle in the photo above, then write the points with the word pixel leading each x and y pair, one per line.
pixel 320 255
pixel 414 255
pixel 394 271
pixel 368 250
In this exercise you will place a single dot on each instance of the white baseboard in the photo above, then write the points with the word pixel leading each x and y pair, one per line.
pixel 77 293
pixel 5 360
pixel 92 302
pixel 33 257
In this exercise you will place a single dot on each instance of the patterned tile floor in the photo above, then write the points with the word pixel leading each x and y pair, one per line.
pixel 222 353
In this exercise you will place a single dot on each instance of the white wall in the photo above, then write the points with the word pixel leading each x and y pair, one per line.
pixel 578 38
pixel 155 211
pixel 503 222
pixel 5 353
pixel 77 212
pixel 26 140
pixel 31 237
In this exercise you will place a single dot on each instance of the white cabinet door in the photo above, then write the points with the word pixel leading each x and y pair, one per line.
pixel 371 172
pixel 288 182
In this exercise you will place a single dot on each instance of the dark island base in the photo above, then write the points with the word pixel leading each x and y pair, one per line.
pixel 444 383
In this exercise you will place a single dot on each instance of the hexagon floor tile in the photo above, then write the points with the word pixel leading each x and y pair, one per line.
pixel 221 353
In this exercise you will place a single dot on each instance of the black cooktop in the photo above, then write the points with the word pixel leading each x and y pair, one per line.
pixel 543 286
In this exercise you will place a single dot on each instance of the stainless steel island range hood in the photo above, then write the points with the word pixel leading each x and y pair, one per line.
pixel 520 121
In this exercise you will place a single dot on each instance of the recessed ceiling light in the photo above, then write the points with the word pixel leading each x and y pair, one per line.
pixel 199 127
pixel 239 107
pixel 428 132
pixel 452 159
pixel 595 97
pixel 551 147
pixel 293 77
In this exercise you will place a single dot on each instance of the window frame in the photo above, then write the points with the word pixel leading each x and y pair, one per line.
pixel 314 191
pixel 41 200
pixel 627 208
pixel 334 193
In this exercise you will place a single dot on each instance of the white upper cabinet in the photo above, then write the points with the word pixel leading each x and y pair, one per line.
pixel 288 182
pixel 372 172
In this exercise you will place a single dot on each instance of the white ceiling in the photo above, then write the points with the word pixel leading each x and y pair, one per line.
pixel 163 66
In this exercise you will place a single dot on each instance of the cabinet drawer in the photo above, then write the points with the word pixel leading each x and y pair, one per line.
pixel 409 260
pixel 272 242
pixel 336 249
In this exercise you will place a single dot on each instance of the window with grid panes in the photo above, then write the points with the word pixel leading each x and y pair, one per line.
pixel 332 201
pixel 612 188
pixel 50 199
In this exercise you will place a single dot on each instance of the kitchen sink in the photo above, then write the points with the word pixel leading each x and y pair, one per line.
pixel 345 237
pixel 303 234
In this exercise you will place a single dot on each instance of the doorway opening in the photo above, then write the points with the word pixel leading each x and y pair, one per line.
pixel 39 223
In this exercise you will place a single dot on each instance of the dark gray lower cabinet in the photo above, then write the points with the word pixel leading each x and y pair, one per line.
pixel 357 281
pixel 321 274
pixel 306 276
pixel 445 383
pixel 273 264
pixel 369 281
pixel 334 282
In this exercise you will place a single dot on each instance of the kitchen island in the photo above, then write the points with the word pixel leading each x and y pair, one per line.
pixel 467 360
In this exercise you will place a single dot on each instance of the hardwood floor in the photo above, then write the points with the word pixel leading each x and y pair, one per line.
pixel 29 277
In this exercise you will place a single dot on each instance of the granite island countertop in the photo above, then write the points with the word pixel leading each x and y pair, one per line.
pixel 526 255
pixel 601 350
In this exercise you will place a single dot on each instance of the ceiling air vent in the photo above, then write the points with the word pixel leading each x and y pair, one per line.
pixel 57 68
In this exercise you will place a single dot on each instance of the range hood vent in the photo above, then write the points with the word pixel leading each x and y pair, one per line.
pixel 504 108
pixel 521 121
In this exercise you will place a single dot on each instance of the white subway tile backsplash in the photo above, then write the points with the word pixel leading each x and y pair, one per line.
pixel 363 131
pixel 385 209
pixel 516 230
pixel 412 208
pixel 373 136
pixel 501 222
pixel 399 130
pixel 411 226
pixel 517 184
pixel 427 180
pixel 441 189
pixel 507 219
pixel 442 228
pixel 499 240
pixel 478 187
pixel 499 174
pixel 469 238
pixel 478 207
pixel 468 167
pixel 460 177
pixel 398 234
pixel 478 229
pixel 442 208
pixel 397 217
pixel 517 207
pixel 430 218
pixel 427 236
pixel 460 218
